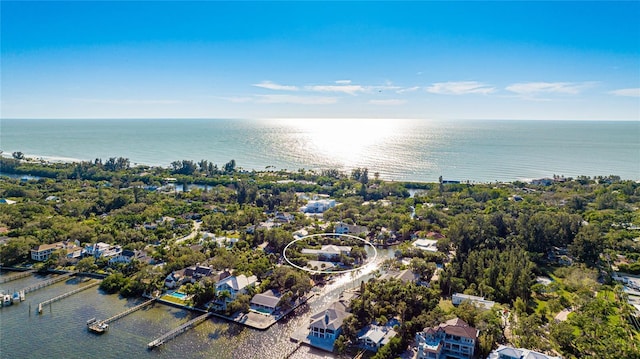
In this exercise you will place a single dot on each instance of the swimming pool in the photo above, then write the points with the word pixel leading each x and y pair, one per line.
pixel 179 295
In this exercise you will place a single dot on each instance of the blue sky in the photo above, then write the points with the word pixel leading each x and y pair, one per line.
pixel 211 59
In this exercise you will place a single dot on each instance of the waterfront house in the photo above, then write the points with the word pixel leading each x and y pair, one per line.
pixel 326 326
pixel 478 302
pixel 266 302
pixel 343 228
pixel 328 252
pixel 42 252
pixel 373 337
pixel 454 338
pixel 174 279
pixel 505 352
pixel 236 285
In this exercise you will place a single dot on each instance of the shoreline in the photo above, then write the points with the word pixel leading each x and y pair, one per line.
pixel 53 160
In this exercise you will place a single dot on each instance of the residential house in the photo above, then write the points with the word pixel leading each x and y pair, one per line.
pixel 452 339
pixel 343 228
pixel 328 252
pixel 318 206
pixel 327 325
pixel 435 235
pixel 505 352
pixel 127 256
pixel 197 272
pixel 479 302
pixel 44 251
pixel 300 233
pixel 102 249
pixel 283 217
pixel 428 245
pixel 174 279
pixel 373 337
pixel 406 276
pixel 236 285
pixel 266 302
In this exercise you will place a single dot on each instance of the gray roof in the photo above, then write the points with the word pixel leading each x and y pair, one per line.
pixel 268 299
pixel 331 318
pixel 510 352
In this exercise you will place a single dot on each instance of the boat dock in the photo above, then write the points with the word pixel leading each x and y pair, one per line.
pixel 179 330
pixel 100 326
pixel 48 282
pixel 62 296
pixel 17 276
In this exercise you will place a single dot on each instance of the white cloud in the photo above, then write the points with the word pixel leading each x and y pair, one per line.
pixel 408 89
pixel 274 86
pixel 630 92
pixel 460 88
pixel 128 101
pixel 236 99
pixel 532 89
pixel 343 82
pixel 389 102
pixel 348 89
pixel 302 100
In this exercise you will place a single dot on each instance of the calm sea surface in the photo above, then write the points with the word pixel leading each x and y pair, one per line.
pixel 417 150
pixel 61 332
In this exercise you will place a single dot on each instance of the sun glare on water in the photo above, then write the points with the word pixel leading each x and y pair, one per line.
pixel 344 141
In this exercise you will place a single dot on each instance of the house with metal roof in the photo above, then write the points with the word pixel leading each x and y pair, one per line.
pixel 505 352
pixel 266 302
pixel 373 337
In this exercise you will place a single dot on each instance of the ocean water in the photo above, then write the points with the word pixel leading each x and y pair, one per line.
pixel 61 332
pixel 415 150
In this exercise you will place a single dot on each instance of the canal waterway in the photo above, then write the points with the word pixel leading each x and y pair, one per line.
pixel 60 331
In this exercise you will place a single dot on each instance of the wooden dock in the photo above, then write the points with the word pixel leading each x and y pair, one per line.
pixel 179 330
pixel 48 282
pixel 17 276
pixel 62 296
pixel 101 326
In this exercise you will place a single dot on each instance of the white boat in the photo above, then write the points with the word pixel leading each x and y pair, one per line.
pixel 7 300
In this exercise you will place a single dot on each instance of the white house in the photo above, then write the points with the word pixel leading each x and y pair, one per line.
pixel 102 249
pixel 126 256
pixel 328 251
pixel 235 285
pixel 426 244
pixel 318 206
pixel 42 252
pixel 505 352
pixel 479 302
pixel 373 337
pixel 454 338
pixel 174 279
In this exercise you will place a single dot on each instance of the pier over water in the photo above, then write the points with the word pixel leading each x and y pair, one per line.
pixel 179 330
